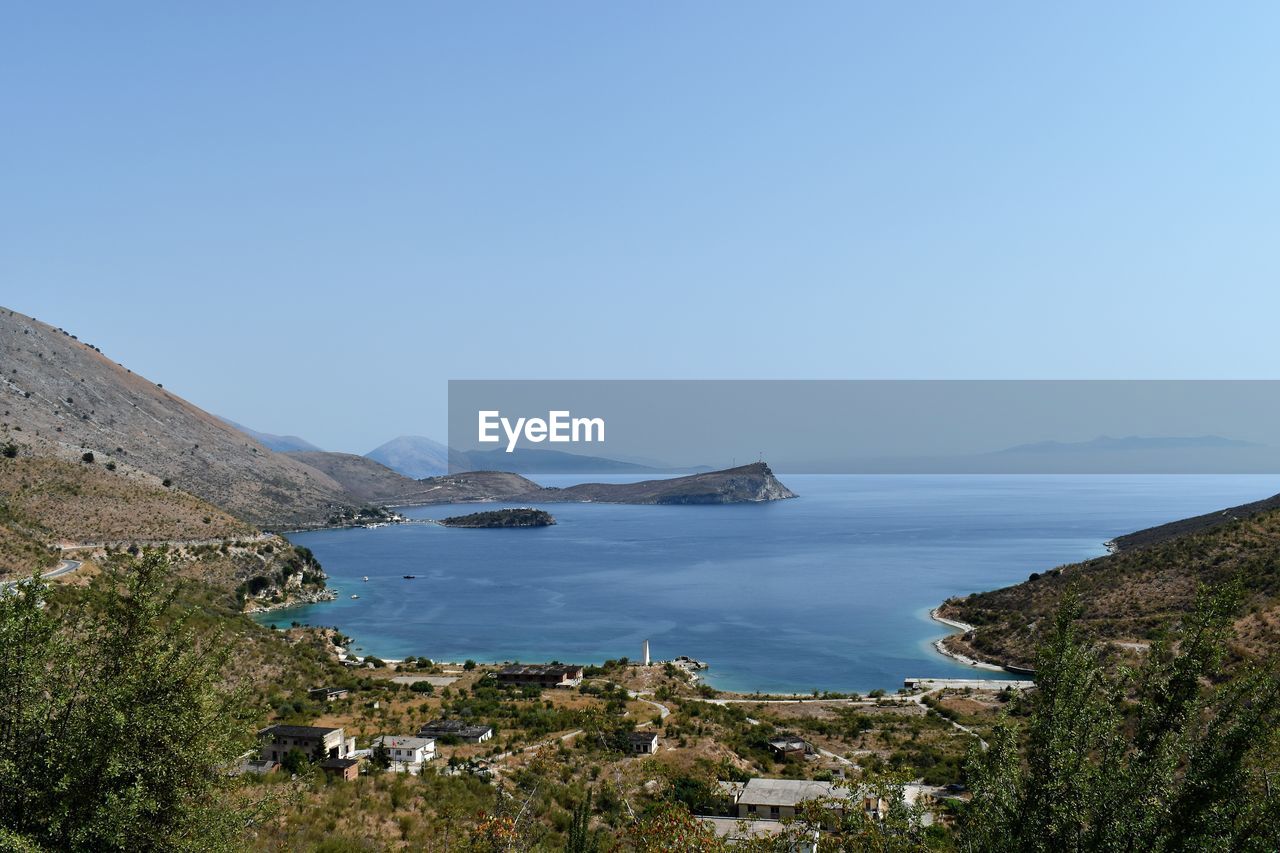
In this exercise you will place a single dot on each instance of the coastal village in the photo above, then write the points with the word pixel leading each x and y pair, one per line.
pixel 644 727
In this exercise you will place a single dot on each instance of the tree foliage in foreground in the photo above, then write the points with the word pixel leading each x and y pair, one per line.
pixel 1160 758
pixel 115 731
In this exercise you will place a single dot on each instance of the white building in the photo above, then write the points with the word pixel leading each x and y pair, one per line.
pixel 315 742
pixel 406 751
pixel 643 743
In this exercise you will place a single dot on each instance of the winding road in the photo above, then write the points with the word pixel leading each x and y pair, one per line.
pixel 65 567
pixel 663 710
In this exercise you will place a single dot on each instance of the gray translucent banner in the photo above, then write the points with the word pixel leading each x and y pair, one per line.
pixel 866 426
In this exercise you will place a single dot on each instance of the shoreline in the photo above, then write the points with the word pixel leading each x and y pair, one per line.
pixel 938 646
pixel 320 597
pixel 961 628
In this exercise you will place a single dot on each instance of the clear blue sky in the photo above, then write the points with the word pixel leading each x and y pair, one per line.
pixel 309 217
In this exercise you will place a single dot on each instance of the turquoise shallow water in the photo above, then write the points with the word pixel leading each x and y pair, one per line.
pixel 829 591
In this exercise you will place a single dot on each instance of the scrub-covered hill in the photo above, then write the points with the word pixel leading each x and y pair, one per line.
pixel 1129 595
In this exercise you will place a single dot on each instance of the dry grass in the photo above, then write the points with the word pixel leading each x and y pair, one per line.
pixel 55 502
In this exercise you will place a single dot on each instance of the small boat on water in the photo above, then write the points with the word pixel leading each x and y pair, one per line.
pixel 365 579
pixel 353 595
pixel 409 577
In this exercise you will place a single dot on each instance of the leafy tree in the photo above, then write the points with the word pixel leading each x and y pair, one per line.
pixel 669 828
pixel 581 839
pixel 380 757
pixel 698 793
pixel 295 761
pixel 1158 759
pixel 115 733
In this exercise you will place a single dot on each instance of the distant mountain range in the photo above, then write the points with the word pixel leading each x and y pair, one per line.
pixel 413 455
pixel 418 456
pixel 278 443
pixel 1130 442
pixel 526 460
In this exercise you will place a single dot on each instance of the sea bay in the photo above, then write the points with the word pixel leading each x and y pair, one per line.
pixel 829 591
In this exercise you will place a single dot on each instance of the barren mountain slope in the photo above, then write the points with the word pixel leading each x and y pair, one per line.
pixel 78 502
pixel 61 397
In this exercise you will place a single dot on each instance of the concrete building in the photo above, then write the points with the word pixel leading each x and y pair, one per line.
pixel 327 694
pixel 456 728
pixel 407 750
pixel 967 683
pixel 643 743
pixel 774 799
pixel 541 675
pixel 347 769
pixel 316 742
pixel 789 746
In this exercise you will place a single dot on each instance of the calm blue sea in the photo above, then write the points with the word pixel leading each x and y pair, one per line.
pixel 829 591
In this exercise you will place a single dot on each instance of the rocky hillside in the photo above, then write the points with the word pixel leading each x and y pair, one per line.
pixel 78 502
pixel 85 510
pixel 373 483
pixel 745 484
pixel 1130 595
pixel 364 479
pixel 1196 524
pixel 471 487
pixel 61 397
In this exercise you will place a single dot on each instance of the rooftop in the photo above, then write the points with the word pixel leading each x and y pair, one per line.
pixel 403 742
pixel 299 731
pixel 453 727
pixel 339 763
pixel 789 742
pixel 732 790
pixel 787 792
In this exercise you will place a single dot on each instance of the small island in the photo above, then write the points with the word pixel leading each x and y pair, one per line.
pixel 522 517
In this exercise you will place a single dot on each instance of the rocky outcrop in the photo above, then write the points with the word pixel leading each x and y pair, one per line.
pixel 753 483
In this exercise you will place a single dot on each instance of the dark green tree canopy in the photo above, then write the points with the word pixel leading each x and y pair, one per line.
pixel 1168 757
pixel 115 730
